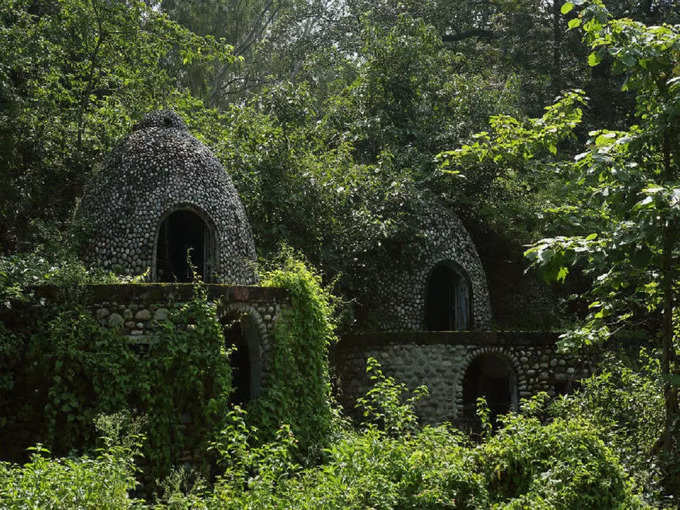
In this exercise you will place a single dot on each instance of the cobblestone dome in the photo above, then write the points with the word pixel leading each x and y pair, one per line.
pixel 445 252
pixel 160 195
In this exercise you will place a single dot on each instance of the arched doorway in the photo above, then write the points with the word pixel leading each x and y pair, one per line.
pixel 491 376
pixel 241 333
pixel 184 231
pixel 447 299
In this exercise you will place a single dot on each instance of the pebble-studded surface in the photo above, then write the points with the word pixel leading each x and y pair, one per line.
pixel 401 295
pixel 157 169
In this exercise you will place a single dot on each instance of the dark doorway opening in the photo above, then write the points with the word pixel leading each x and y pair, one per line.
pixel 182 232
pixel 242 335
pixel 447 301
pixel 239 361
pixel 490 376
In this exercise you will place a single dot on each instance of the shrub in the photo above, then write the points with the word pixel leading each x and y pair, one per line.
pixel 386 404
pixel 102 482
pixel 430 470
pixel 627 406
pixel 563 464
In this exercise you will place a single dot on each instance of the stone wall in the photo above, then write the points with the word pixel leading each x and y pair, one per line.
pixel 135 310
pixel 440 360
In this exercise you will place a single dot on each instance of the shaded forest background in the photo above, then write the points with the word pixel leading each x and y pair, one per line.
pixel 340 123
pixel 327 114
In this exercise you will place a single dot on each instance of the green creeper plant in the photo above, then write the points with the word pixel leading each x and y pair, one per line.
pixel 297 390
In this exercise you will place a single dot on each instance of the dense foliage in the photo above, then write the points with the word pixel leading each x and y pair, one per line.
pixel 336 120
pixel 68 369
pixel 624 187
pixel 100 482
pixel 536 459
pixel 298 392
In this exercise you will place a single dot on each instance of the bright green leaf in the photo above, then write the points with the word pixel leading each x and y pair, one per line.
pixel 574 23
pixel 594 59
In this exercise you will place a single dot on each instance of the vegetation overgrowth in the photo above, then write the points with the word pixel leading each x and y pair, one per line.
pixel 67 369
pixel 538 458
pixel 335 120
pixel 298 392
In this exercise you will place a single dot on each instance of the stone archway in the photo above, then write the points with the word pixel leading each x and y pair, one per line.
pixel 184 232
pixel 244 331
pixel 494 375
pixel 447 299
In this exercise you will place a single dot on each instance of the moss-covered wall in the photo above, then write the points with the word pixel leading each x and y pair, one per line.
pixel 135 310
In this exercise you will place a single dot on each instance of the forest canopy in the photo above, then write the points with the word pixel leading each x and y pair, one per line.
pixel 550 127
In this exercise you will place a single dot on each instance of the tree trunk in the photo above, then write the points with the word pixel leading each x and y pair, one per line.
pixel 556 71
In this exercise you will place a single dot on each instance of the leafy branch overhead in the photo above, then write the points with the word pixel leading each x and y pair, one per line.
pixel 632 179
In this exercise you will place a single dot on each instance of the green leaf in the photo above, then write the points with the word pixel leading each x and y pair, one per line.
pixel 605 139
pixel 650 190
pixel 567 7
pixel 574 23
pixel 594 59
pixel 562 274
pixel 629 60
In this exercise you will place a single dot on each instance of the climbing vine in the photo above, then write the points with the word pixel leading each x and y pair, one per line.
pixel 61 368
pixel 70 369
pixel 298 391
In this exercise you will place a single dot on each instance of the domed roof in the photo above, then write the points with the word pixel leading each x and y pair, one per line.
pixel 156 185
pixel 444 248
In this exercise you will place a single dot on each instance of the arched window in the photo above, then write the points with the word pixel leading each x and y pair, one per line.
pixel 184 231
pixel 490 376
pixel 447 299
pixel 241 333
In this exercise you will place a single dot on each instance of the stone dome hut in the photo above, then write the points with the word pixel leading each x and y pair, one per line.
pixel 444 287
pixel 160 195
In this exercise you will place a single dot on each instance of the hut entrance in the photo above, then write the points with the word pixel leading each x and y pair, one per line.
pixel 490 376
pixel 240 333
pixel 447 302
pixel 181 232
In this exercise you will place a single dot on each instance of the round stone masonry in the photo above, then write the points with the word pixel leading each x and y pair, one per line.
pixel 155 171
pixel 401 294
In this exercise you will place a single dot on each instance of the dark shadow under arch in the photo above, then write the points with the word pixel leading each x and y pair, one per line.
pixel 241 333
pixel 448 302
pixel 489 375
pixel 184 230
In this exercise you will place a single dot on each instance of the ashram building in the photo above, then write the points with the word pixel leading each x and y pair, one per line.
pixel 162 202
pixel 160 193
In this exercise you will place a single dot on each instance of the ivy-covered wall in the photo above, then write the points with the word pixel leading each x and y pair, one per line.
pixel 161 352
pixel 155 351
pixel 136 311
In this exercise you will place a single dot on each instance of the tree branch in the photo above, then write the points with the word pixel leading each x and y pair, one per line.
pixel 476 32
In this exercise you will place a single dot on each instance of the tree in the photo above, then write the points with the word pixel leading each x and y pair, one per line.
pixel 74 74
pixel 625 187
pixel 270 38
pixel 632 180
